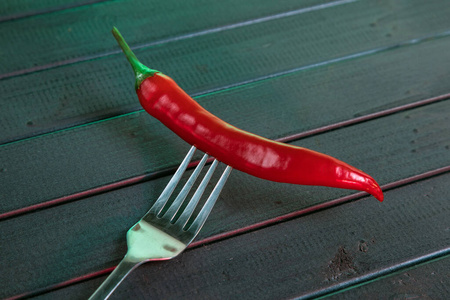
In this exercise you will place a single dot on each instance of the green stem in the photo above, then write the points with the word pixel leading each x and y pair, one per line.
pixel 141 71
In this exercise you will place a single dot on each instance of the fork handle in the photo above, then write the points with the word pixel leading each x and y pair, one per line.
pixel 114 279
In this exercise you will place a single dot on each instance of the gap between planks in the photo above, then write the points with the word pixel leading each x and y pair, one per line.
pixel 378 274
pixel 178 38
pixel 252 81
pixel 226 28
pixel 48 10
pixel 146 177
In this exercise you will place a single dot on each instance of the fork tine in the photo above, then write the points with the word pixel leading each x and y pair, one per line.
pixel 157 238
pixel 168 190
pixel 196 197
pixel 175 206
pixel 209 204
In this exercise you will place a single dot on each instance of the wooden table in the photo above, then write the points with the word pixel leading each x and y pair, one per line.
pixel 365 81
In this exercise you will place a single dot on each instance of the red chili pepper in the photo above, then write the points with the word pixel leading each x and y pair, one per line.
pixel 162 98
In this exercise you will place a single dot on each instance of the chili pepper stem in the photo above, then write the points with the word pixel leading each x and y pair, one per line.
pixel 141 71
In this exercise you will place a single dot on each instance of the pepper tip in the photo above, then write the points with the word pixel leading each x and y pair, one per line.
pixel 380 197
pixel 378 193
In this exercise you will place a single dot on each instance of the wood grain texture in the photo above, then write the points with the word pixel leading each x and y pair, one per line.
pixel 299 257
pixel 17 9
pixel 82 160
pixel 85 31
pixel 137 144
pixel 76 94
pixel 93 228
pixel 429 280
pixel 86 92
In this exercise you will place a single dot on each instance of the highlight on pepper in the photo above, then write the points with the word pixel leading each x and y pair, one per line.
pixel 162 98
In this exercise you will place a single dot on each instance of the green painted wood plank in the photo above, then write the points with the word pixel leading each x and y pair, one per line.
pixel 298 257
pixel 427 281
pixel 137 144
pixel 84 236
pixel 84 92
pixel 16 9
pixel 85 31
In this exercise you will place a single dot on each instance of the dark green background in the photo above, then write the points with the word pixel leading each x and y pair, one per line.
pixel 80 162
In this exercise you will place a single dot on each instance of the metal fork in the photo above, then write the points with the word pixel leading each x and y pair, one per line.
pixel 160 234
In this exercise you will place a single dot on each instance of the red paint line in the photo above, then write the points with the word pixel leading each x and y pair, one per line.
pixel 76 196
pixel 315 208
pixel 63 284
pixel 377 274
pixel 250 228
pixel 142 178
pixel 94 191
pixel 365 118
